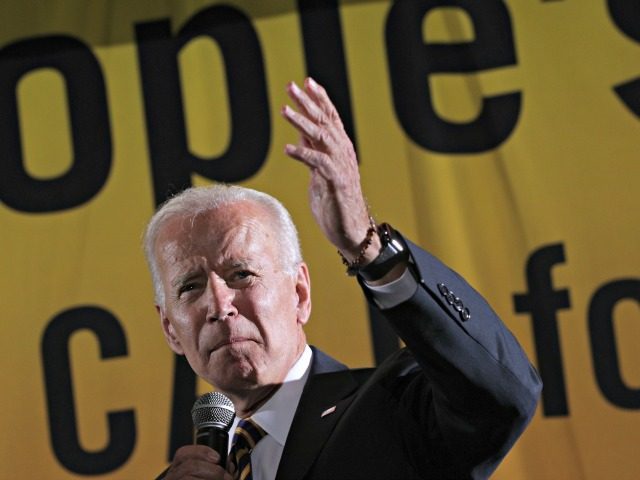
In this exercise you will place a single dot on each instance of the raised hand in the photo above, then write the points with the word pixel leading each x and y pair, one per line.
pixel 335 193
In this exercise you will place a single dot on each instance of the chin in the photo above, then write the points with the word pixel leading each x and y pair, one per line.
pixel 236 376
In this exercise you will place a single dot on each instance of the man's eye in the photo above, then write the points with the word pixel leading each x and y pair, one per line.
pixel 187 287
pixel 240 275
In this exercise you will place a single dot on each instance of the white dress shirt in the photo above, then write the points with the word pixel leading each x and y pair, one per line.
pixel 396 292
pixel 275 418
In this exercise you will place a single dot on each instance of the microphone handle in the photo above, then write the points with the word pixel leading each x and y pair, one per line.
pixel 215 438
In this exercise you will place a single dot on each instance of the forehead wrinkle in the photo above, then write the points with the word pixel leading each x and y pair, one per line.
pixel 240 246
pixel 240 249
pixel 225 238
pixel 169 242
pixel 168 251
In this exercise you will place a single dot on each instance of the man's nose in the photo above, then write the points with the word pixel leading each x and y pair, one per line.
pixel 221 299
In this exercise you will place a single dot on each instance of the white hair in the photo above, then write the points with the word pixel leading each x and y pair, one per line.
pixel 197 200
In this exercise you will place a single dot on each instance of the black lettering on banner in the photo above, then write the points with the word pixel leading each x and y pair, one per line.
pixel 89 117
pixel 412 61
pixel 171 161
pixel 324 54
pixel 542 302
pixel 184 396
pixel 61 407
pixel 603 341
pixel 626 15
pixel 325 60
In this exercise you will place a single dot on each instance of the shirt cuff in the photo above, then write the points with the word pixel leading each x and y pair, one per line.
pixel 393 293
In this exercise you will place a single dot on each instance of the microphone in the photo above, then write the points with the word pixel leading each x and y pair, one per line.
pixel 212 415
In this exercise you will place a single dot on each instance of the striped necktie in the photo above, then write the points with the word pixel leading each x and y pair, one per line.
pixel 245 438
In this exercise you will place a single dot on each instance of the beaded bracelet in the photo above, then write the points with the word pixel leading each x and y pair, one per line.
pixel 353 267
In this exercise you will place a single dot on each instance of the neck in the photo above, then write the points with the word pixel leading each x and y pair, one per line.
pixel 246 404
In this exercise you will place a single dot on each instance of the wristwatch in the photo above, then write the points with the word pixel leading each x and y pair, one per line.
pixel 394 250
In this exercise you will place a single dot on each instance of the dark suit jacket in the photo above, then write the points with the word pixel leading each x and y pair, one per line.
pixel 449 406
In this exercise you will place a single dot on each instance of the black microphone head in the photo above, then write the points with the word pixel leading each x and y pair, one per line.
pixel 213 409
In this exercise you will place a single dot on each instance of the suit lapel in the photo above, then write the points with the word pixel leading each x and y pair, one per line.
pixel 326 396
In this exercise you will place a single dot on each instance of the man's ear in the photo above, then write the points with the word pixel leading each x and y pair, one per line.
pixel 169 332
pixel 303 291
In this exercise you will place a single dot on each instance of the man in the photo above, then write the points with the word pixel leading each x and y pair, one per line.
pixel 233 295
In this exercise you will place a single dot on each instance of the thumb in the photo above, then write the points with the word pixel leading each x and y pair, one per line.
pixel 231 467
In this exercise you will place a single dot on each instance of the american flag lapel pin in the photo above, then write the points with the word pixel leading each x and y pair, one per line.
pixel 328 411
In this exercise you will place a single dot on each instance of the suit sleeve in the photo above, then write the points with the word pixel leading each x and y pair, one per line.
pixel 472 388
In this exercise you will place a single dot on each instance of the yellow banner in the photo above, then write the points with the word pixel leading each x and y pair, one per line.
pixel 503 136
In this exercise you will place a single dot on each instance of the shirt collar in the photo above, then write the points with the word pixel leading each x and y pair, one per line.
pixel 276 415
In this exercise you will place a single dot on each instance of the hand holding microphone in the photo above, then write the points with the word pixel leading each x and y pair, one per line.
pixel 212 415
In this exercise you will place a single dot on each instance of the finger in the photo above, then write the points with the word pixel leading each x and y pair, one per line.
pixel 231 467
pixel 197 462
pixel 196 470
pixel 312 158
pixel 203 452
pixel 305 142
pixel 317 107
pixel 309 130
pixel 303 101
pixel 321 99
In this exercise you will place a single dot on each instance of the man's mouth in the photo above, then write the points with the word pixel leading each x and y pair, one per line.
pixel 230 342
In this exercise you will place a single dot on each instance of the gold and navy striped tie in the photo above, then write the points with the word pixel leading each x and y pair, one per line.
pixel 245 438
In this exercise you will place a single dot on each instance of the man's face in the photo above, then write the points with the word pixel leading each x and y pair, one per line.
pixel 229 306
